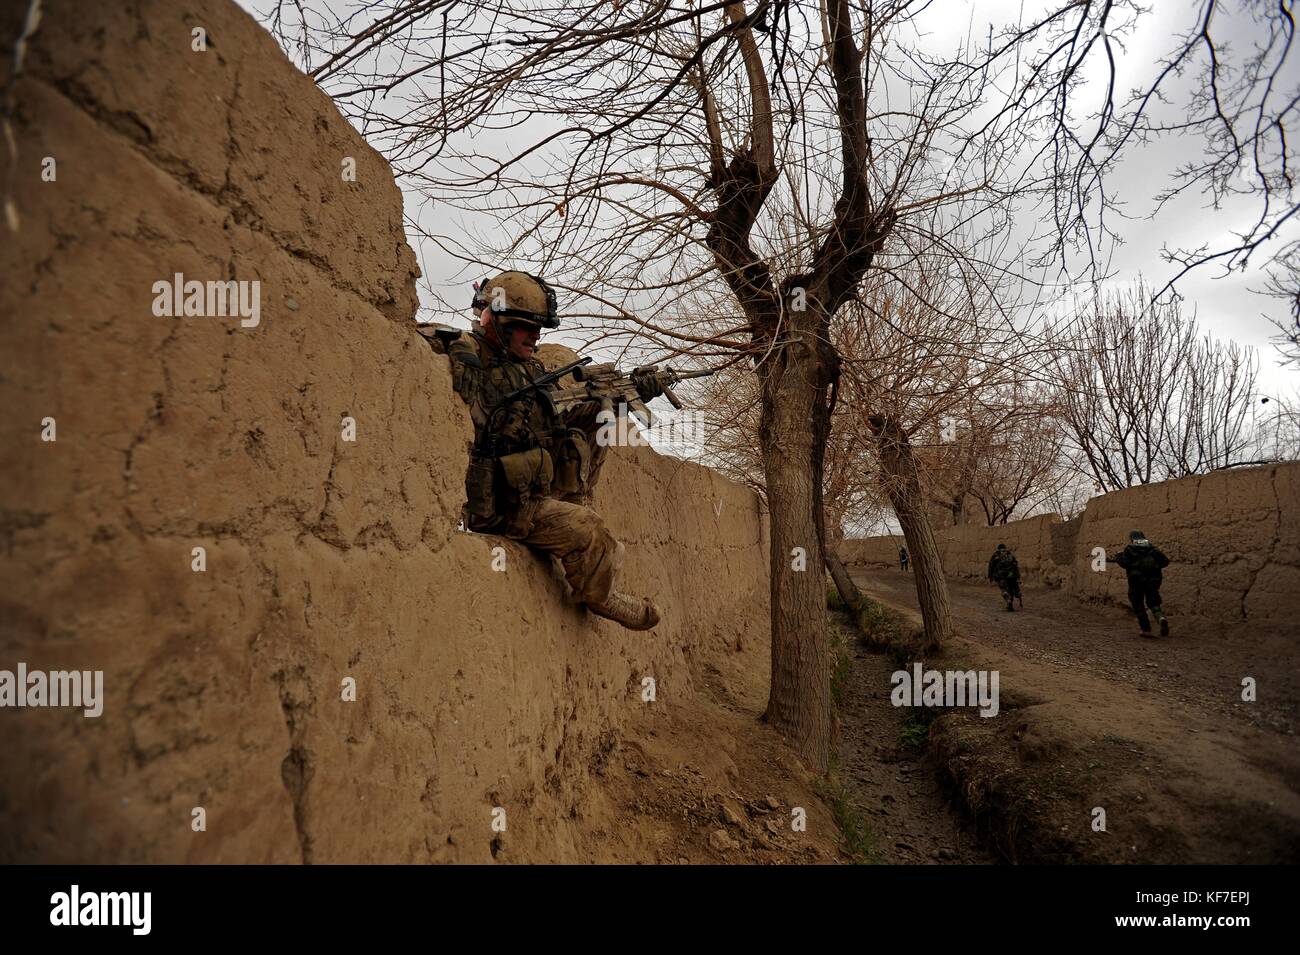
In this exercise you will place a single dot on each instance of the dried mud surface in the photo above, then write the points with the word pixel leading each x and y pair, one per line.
pixel 1153 731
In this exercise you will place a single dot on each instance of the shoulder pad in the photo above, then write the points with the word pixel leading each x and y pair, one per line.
pixel 464 348
pixel 440 337
pixel 464 352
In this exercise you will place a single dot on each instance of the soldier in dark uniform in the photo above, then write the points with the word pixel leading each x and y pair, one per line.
pixel 532 470
pixel 1144 563
pixel 902 558
pixel 1004 570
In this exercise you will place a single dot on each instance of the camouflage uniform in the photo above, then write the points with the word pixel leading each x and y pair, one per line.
pixel 1144 564
pixel 532 471
pixel 514 491
pixel 1004 570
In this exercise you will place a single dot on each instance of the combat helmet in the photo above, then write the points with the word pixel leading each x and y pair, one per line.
pixel 518 297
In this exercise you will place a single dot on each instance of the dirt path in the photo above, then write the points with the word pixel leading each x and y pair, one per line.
pixel 1154 731
pixel 1198 665
pixel 888 779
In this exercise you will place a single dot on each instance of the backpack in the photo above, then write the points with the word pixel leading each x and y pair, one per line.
pixel 1005 566
pixel 1144 563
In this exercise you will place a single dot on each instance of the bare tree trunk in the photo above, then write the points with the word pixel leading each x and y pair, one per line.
pixel 831 518
pixel 799 704
pixel 903 485
pixel 848 590
pixel 957 507
pixel 833 532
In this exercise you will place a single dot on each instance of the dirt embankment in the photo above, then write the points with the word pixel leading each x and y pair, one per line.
pixel 1155 733
pixel 248 522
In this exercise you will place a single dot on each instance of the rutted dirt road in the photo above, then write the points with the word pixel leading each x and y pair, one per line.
pixel 1153 731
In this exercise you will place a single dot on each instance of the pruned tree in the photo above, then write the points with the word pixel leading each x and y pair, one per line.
pixel 1143 396
pixel 1002 454
pixel 1021 468
pixel 925 344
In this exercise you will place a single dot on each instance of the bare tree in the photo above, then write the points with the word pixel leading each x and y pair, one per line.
pixel 925 346
pixel 1070 492
pixel 1019 469
pixel 1284 284
pixel 1215 418
pixel 1002 452
pixel 1143 397
pixel 1277 430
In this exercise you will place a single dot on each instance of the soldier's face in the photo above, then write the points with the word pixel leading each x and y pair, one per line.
pixel 523 340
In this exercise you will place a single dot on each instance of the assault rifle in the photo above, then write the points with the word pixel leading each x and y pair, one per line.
pixel 542 381
pixel 605 384
pixel 538 388
pixel 611 386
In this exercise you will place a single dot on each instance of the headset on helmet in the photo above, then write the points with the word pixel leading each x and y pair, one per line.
pixel 526 298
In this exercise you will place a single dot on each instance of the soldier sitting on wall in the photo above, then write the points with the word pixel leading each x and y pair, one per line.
pixel 1144 564
pixel 1004 570
pixel 532 471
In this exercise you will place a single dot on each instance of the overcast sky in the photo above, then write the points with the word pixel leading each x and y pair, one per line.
pixel 1226 305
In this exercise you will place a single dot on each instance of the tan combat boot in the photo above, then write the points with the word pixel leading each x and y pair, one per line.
pixel 633 613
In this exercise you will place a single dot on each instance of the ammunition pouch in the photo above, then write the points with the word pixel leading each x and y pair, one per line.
pixel 480 501
pixel 526 474
pixel 572 463
pixel 524 478
pixel 497 490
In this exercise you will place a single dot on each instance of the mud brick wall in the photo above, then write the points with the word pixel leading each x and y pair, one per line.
pixel 871 551
pixel 325 558
pixel 1233 537
pixel 965 550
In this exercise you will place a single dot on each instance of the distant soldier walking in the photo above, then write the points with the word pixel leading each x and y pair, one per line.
pixel 902 558
pixel 1004 570
pixel 1144 564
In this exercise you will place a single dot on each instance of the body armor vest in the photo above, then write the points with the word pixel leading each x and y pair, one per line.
pixel 522 450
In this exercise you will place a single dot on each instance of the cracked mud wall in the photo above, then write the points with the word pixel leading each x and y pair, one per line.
pixel 1233 538
pixel 325 559
pixel 965 550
